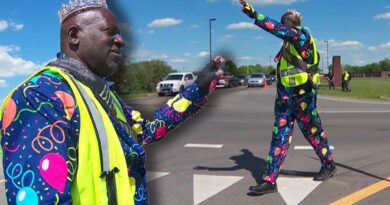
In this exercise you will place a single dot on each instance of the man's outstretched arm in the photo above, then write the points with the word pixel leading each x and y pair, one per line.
pixel 184 105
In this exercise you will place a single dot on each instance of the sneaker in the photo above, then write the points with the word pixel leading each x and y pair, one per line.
pixel 325 173
pixel 263 188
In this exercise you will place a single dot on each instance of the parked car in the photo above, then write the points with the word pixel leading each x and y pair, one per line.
pixel 242 79
pixel 256 79
pixel 269 79
pixel 227 80
pixel 174 82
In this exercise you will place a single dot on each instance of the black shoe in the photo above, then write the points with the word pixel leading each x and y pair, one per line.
pixel 325 173
pixel 263 188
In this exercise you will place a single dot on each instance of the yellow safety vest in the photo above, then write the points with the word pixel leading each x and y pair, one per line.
pixel 294 75
pixel 89 186
pixel 346 76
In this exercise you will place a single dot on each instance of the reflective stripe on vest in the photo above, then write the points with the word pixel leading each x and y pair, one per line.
pixel 293 67
pixel 88 187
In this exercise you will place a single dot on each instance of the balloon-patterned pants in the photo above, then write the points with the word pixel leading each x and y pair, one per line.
pixel 296 103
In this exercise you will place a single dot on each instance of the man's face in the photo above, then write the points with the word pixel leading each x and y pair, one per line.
pixel 100 44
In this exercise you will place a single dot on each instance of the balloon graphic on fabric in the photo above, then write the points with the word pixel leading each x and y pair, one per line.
pixel 54 171
pixel 303 106
pixel 9 114
pixel 26 196
pixel 68 102
pixel 324 151
pixel 277 151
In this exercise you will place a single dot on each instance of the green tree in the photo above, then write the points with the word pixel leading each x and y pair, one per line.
pixel 141 76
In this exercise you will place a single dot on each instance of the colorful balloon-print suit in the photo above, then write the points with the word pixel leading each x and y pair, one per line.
pixel 40 130
pixel 295 103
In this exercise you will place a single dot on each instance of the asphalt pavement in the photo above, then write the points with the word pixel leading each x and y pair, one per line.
pixel 240 120
pixel 212 158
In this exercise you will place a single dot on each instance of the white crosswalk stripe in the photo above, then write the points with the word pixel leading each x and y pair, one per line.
pixel 155 175
pixel 206 186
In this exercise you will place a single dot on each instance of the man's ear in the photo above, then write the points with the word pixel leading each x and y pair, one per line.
pixel 73 35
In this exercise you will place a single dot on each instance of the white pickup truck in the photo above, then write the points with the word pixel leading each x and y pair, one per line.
pixel 174 82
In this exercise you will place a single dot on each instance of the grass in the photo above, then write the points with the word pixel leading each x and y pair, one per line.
pixel 362 88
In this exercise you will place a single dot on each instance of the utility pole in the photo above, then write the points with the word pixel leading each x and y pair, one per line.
pixel 327 54
pixel 210 20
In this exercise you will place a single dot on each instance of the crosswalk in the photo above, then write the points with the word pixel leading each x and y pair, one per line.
pixel 207 186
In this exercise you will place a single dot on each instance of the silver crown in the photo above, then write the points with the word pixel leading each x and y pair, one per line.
pixel 76 5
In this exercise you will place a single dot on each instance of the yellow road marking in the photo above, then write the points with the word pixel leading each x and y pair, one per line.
pixel 363 193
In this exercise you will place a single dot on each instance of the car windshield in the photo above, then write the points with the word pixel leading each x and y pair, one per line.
pixel 256 76
pixel 241 76
pixel 174 77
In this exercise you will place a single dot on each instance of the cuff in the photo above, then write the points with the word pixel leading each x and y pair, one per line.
pixel 193 93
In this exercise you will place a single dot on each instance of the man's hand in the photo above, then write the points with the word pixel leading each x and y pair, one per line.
pixel 207 77
pixel 248 9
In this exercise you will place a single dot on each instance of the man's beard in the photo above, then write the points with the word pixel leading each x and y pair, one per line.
pixel 112 63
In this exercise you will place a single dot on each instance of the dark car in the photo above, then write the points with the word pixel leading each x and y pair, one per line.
pixel 273 77
pixel 242 79
pixel 269 79
pixel 227 80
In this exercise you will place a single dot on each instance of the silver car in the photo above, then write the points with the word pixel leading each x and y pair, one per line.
pixel 256 79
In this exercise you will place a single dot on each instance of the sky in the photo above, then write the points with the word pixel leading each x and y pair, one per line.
pixel 177 31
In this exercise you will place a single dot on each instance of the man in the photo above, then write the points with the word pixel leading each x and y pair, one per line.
pixel 344 81
pixel 66 135
pixel 347 80
pixel 330 78
pixel 297 72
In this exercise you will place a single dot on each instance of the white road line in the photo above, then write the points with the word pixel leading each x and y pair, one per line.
pixel 215 146
pixel 150 176
pixel 353 101
pixel 308 147
pixel 354 111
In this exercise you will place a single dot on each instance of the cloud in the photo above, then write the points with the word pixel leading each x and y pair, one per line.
pixel 3 83
pixel 380 47
pixel 245 58
pixel 16 26
pixel 226 38
pixel 203 54
pixel 11 65
pixel 342 45
pixel 187 54
pixel 165 22
pixel 143 54
pixel 383 16
pixel 179 60
pixel 269 2
pixel 242 25
pixel 4 25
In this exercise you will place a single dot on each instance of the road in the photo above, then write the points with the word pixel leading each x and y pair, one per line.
pixel 241 119
pixel 215 156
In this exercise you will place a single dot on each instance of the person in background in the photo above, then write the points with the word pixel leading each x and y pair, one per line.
pixel 330 79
